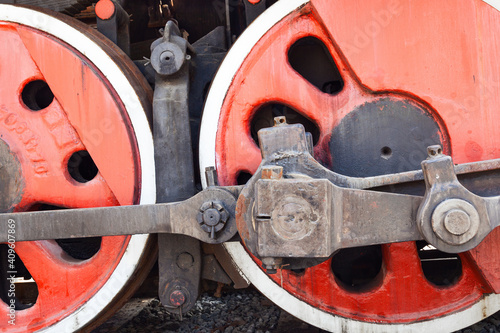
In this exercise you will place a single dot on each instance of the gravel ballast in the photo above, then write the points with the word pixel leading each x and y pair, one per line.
pixel 239 311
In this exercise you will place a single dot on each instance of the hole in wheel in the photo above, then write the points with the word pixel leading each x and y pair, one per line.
pixel 264 117
pixel 18 289
pixel 36 95
pixel 243 177
pixel 81 167
pixel 440 268
pixel 80 248
pixel 76 248
pixel 358 269
pixel 311 59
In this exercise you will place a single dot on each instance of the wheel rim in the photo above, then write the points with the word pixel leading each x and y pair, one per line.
pixel 98 106
pixel 243 84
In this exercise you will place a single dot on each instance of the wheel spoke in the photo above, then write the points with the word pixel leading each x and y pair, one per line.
pixel 11 73
pixel 247 156
pixel 485 261
pixel 256 83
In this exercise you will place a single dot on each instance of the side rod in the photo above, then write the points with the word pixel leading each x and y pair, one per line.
pixel 175 218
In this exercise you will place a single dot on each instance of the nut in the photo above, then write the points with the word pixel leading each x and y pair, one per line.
pixel 212 217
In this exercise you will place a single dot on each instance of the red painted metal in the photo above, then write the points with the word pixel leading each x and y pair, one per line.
pixel 85 114
pixel 105 9
pixel 435 52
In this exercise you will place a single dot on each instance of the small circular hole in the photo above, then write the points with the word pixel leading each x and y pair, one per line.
pixel 81 167
pixel 36 95
pixel 386 152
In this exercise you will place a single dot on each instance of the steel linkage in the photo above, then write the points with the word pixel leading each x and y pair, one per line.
pixel 294 212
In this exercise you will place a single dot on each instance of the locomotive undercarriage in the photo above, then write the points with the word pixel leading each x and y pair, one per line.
pixel 319 196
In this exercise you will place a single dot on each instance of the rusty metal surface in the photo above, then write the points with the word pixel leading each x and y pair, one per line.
pixel 178 283
pixel 11 181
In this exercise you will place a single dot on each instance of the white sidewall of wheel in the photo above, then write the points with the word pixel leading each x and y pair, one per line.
pixel 251 271
pixel 132 256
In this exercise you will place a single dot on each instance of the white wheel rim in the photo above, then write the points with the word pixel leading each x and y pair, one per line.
pixel 137 244
pixel 488 305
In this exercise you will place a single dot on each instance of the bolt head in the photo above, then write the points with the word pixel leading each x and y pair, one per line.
pixel 185 260
pixel 457 222
pixel 177 298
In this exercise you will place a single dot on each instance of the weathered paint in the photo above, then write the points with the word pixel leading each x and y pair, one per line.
pixel 86 113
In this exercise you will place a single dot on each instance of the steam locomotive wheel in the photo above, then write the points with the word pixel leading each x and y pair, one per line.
pixel 375 82
pixel 73 133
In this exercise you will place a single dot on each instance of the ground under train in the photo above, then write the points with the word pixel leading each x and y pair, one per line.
pixel 340 155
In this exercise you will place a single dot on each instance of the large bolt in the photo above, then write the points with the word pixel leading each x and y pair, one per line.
pixel 457 222
pixel 211 217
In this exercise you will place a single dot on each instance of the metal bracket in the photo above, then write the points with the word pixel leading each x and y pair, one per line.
pixel 179 257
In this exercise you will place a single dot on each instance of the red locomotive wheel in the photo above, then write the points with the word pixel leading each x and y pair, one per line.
pixel 73 129
pixel 375 82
